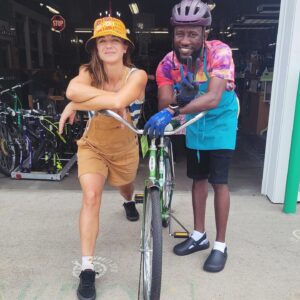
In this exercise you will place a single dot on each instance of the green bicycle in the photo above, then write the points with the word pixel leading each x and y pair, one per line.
pixel 157 200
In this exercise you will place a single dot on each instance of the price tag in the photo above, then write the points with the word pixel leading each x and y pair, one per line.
pixel 144 145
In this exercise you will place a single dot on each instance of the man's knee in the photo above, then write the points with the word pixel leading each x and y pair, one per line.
pixel 220 187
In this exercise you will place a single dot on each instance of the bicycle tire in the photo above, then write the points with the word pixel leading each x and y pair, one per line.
pixel 152 247
pixel 9 152
pixel 167 192
pixel 37 163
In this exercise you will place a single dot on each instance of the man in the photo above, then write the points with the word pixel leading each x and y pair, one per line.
pixel 211 140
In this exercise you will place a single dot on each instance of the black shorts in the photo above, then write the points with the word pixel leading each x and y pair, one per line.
pixel 212 165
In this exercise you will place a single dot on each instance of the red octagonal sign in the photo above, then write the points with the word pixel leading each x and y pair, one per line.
pixel 58 23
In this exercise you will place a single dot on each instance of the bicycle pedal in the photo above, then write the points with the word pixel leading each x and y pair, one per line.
pixel 139 198
pixel 181 234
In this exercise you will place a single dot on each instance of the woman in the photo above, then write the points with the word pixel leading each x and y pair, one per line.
pixel 107 150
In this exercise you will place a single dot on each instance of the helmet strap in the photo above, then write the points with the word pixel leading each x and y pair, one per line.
pixel 203 45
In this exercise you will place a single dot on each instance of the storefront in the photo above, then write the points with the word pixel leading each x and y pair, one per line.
pixel 283 102
pixel 263 39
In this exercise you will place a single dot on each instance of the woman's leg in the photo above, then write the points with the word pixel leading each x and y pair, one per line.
pixel 92 186
pixel 127 192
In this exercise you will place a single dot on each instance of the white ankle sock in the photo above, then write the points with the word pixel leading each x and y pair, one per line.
pixel 87 263
pixel 219 246
pixel 197 235
pixel 127 201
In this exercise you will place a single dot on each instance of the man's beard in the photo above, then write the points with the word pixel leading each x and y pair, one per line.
pixel 183 60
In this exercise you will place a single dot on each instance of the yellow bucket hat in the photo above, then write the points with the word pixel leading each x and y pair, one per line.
pixel 108 26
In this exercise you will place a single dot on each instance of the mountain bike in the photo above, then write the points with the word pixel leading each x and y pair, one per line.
pixel 157 201
pixel 12 148
pixel 9 143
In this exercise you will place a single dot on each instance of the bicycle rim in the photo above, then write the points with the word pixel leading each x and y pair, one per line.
pixel 152 247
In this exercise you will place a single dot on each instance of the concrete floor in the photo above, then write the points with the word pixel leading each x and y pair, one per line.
pixel 40 254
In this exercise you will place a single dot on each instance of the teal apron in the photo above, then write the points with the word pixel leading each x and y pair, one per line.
pixel 217 129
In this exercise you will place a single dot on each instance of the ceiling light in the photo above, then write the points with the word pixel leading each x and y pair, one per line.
pixel 268 8
pixel 154 31
pixel 235 49
pixel 53 10
pixel 259 19
pixel 83 30
pixel 252 28
pixel 134 8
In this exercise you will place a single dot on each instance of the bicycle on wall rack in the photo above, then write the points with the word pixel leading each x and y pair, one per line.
pixel 157 201
pixel 10 139
pixel 29 139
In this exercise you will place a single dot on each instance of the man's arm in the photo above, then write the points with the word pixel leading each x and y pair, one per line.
pixel 165 96
pixel 209 100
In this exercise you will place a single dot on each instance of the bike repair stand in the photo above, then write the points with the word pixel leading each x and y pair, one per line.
pixel 42 175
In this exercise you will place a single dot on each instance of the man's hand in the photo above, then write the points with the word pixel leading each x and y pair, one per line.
pixel 68 113
pixel 156 125
pixel 188 87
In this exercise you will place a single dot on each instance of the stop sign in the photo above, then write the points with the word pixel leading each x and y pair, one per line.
pixel 58 23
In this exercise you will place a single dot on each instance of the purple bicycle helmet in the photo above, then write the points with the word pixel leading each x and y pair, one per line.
pixel 191 12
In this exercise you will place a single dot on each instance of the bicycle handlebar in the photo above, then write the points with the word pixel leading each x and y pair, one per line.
pixel 19 85
pixel 26 113
pixel 116 116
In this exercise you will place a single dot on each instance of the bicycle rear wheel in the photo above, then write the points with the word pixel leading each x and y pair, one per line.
pixel 168 187
pixel 152 247
pixel 9 152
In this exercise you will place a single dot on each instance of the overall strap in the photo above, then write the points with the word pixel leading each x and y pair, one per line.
pixel 129 73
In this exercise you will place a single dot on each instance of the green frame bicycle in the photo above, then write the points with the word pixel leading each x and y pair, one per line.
pixel 157 201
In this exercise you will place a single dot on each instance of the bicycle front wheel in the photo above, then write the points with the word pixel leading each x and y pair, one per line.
pixel 152 247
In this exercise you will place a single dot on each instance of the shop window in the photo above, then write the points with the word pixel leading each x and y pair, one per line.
pixel 20 31
pixel 22 58
pixel 34 59
pixel 45 31
pixel 3 57
pixel 33 26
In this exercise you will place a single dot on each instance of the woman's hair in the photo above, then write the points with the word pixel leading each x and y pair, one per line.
pixel 95 65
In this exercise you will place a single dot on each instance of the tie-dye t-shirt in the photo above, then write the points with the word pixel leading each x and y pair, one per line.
pixel 219 64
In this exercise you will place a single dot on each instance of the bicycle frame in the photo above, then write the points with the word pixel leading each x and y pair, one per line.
pixel 154 211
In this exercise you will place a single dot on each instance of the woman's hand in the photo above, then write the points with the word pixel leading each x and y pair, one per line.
pixel 68 113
